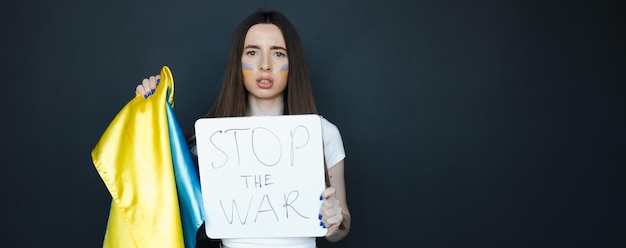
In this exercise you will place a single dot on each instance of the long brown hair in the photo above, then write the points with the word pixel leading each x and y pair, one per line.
pixel 232 100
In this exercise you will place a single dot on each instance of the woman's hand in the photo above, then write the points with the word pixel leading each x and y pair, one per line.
pixel 148 86
pixel 331 215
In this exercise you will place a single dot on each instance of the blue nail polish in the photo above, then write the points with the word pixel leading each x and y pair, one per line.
pixel 320 217
pixel 158 81
pixel 145 96
pixel 321 224
pixel 321 198
pixel 324 226
pixel 152 91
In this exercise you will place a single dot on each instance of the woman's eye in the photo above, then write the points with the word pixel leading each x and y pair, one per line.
pixel 280 54
pixel 251 53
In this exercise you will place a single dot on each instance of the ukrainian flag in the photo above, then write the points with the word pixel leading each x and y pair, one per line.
pixel 143 159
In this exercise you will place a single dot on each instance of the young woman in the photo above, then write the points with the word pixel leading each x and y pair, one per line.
pixel 266 74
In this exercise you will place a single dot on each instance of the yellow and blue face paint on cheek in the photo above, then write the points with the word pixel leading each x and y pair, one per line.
pixel 284 70
pixel 246 69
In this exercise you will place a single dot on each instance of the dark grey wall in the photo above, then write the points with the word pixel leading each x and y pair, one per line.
pixel 466 123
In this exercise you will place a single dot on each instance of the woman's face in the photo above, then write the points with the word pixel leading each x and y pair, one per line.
pixel 264 62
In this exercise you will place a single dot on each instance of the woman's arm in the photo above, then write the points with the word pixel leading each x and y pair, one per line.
pixel 335 213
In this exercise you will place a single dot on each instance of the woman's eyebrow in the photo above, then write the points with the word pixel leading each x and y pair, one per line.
pixel 278 48
pixel 271 48
pixel 251 47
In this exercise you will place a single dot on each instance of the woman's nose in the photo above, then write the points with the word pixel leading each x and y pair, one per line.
pixel 265 63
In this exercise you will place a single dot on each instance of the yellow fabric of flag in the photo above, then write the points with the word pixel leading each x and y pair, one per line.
pixel 133 159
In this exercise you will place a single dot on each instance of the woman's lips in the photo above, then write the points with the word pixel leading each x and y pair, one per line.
pixel 264 82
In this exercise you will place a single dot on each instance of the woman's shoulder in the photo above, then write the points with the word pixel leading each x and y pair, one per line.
pixel 328 128
pixel 333 144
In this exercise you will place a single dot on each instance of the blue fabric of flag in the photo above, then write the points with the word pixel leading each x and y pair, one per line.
pixel 187 182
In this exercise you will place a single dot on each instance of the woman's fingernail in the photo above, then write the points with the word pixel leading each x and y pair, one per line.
pixel 321 224
pixel 158 81
pixel 324 226
pixel 152 91
pixel 321 198
pixel 320 217
pixel 145 96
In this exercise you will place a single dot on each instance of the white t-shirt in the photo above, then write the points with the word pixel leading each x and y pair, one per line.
pixel 333 153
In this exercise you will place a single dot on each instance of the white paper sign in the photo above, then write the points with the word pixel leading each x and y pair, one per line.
pixel 261 176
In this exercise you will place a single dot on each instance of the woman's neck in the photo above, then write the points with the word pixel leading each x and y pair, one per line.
pixel 258 107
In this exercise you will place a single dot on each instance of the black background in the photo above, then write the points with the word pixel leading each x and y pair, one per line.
pixel 466 123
